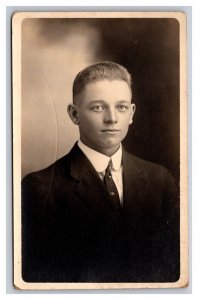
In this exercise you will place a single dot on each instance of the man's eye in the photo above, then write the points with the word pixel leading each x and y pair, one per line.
pixel 98 108
pixel 122 107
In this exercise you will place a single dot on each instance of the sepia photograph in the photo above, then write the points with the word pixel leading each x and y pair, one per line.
pixel 100 193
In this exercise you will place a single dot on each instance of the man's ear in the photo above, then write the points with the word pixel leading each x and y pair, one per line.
pixel 133 108
pixel 72 111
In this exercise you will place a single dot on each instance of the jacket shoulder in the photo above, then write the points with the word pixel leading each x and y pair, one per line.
pixel 142 162
pixel 43 178
pixel 151 170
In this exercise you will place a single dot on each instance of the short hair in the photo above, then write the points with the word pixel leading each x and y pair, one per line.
pixel 100 71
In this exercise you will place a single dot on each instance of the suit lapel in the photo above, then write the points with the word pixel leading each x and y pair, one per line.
pixel 89 187
pixel 91 190
pixel 134 185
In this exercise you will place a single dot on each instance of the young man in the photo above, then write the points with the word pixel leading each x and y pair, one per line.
pixel 100 214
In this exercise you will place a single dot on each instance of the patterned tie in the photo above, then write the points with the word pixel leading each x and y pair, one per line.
pixel 111 187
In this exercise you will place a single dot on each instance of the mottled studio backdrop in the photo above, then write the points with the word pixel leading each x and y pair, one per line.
pixel 54 50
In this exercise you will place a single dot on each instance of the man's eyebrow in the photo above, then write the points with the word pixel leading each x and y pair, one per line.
pixel 96 101
pixel 103 101
pixel 124 101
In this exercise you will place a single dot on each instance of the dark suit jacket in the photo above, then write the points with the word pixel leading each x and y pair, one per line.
pixel 71 232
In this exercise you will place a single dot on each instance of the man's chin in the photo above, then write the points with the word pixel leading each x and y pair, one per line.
pixel 110 145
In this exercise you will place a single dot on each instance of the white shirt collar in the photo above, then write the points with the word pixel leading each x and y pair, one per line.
pixel 99 160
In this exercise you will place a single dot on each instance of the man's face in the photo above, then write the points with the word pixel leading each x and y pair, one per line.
pixel 104 113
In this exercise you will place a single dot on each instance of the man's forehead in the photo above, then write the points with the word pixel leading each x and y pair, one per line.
pixel 104 90
pixel 107 87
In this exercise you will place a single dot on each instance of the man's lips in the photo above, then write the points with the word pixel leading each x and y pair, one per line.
pixel 110 130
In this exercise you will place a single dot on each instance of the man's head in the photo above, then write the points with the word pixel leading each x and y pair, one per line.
pixel 102 106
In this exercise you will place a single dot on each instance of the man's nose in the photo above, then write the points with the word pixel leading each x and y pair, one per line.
pixel 110 116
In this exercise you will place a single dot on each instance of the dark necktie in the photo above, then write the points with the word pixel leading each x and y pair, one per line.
pixel 111 187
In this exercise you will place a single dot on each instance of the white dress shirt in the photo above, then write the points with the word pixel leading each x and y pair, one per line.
pixel 100 163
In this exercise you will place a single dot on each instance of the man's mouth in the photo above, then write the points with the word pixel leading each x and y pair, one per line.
pixel 110 129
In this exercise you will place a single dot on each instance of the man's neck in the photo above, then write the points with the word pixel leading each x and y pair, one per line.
pixel 99 160
pixel 105 151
